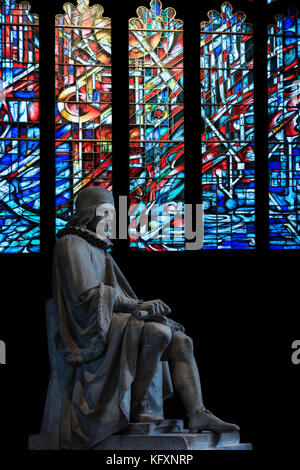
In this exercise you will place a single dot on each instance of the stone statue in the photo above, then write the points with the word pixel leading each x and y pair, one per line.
pixel 113 343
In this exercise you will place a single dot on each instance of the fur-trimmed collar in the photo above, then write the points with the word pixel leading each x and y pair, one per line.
pixel 91 237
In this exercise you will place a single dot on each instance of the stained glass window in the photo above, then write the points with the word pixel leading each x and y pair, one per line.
pixel 227 134
pixel 156 127
pixel 284 127
pixel 83 103
pixel 19 129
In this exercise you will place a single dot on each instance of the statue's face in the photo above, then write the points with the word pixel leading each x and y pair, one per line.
pixel 106 214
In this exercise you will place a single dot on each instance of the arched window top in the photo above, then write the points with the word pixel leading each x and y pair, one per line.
pixel 286 24
pixel 226 21
pixel 155 18
pixel 16 13
pixel 82 15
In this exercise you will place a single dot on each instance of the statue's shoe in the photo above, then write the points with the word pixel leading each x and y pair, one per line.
pixel 146 418
pixel 204 420
pixel 142 413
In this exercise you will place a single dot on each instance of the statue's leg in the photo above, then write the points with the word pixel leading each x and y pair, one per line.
pixel 155 339
pixel 186 380
pixel 184 371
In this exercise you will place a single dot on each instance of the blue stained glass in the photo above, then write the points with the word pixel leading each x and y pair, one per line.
pixel 156 127
pixel 227 111
pixel 288 22
pixel 218 51
pixel 19 143
pixel 284 142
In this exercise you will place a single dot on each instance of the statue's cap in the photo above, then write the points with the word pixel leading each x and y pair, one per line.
pixel 93 196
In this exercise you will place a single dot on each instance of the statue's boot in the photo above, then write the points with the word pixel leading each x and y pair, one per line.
pixel 156 338
pixel 202 419
pixel 142 413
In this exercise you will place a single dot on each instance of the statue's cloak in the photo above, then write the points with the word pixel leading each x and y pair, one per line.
pixel 100 346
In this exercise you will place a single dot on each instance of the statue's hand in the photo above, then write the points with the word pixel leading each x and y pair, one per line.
pixel 155 307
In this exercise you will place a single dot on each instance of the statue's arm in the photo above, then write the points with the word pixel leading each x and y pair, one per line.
pixel 141 308
pixel 74 260
pixel 125 304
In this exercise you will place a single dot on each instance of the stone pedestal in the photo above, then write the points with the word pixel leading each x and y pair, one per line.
pixel 167 435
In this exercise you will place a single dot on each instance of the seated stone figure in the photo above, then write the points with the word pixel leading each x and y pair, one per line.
pixel 113 342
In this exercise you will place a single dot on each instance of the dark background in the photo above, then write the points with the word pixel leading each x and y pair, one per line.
pixel 240 307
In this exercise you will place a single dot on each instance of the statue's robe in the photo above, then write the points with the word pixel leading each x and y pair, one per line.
pixel 100 346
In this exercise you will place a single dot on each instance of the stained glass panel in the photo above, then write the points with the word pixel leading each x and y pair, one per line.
pixel 227 134
pixel 284 130
pixel 83 103
pixel 156 128
pixel 19 129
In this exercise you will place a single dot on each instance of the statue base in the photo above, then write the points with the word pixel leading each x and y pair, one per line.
pixel 168 434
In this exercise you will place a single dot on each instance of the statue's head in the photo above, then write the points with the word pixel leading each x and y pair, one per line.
pixel 94 210
pixel 93 196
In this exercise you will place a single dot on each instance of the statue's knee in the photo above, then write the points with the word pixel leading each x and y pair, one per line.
pixel 182 344
pixel 157 334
